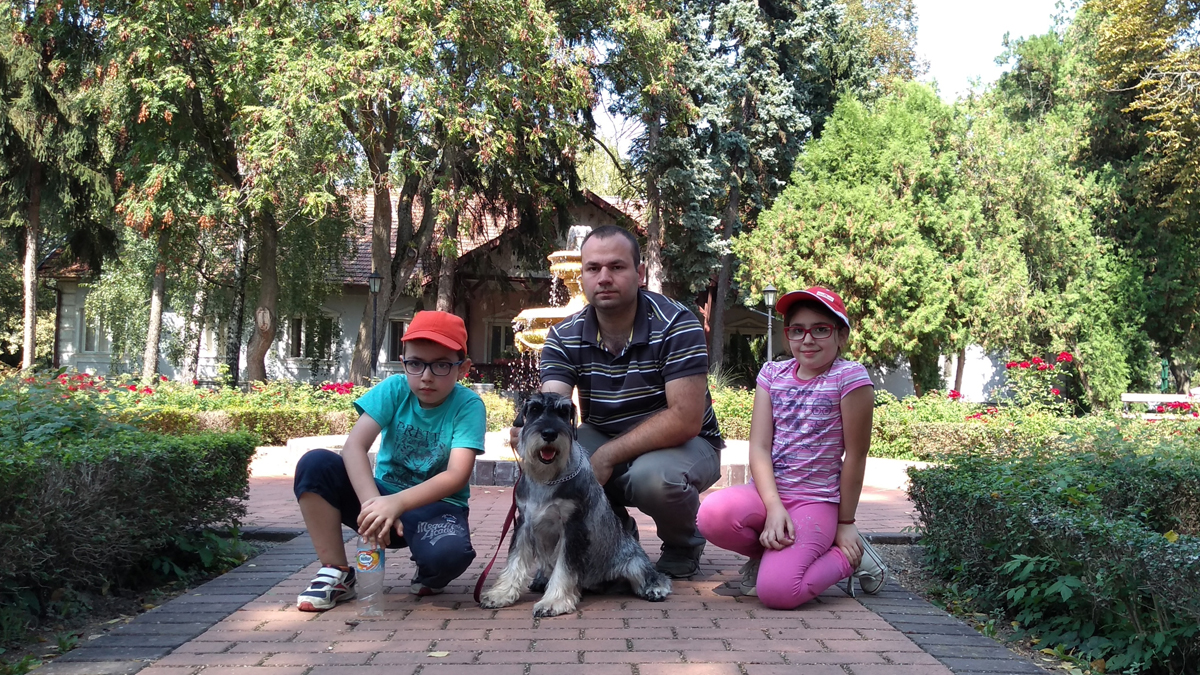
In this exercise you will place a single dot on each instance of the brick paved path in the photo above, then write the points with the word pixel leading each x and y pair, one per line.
pixel 703 628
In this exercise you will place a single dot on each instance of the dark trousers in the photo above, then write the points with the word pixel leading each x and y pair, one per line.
pixel 437 535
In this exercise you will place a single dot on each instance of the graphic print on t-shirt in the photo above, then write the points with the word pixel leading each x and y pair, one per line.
pixel 419 454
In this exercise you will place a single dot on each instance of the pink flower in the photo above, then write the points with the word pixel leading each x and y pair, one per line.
pixel 162 378
pixel 133 387
pixel 1011 364
pixel 147 390
pixel 1055 392
pixel 1160 409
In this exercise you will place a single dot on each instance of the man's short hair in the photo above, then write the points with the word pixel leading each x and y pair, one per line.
pixel 610 231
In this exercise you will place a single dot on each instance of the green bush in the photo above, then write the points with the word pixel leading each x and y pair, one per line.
pixel 1091 544
pixel 733 408
pixel 500 411
pixel 274 426
pixel 87 500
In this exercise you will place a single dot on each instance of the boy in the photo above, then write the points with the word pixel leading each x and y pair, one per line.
pixel 433 428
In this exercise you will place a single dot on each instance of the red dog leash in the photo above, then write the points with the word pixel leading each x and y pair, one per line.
pixel 508 520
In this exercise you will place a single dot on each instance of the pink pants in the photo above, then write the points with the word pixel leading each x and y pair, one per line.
pixel 733 518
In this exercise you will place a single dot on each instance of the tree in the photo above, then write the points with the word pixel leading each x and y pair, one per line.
pixel 1148 56
pixel 877 211
pixel 53 182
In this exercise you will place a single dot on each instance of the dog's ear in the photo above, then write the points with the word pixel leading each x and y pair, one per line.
pixel 520 421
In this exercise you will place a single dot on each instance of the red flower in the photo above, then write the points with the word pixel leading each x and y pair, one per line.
pixel 195 382
pixel 1064 357
pixel 1011 364
pixel 162 378
pixel 1043 366
pixel 1160 409
pixel 1023 364
pixel 954 395
pixel 1037 360
pixel 993 410
pixel 147 390
pixel 133 387
pixel 1055 392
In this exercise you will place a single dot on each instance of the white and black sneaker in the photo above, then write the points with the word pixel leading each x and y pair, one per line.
pixel 331 586
pixel 871 573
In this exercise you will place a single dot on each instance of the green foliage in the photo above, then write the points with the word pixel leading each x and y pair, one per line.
pixel 877 211
pixel 87 500
pixel 500 411
pixel 1089 542
pixel 200 553
pixel 733 407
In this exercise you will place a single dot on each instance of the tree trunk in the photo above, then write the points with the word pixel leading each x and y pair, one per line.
pixel 447 268
pixel 962 366
pixel 32 232
pixel 1179 373
pixel 233 340
pixel 381 254
pixel 926 376
pixel 157 293
pixel 654 234
pixel 191 368
pixel 265 318
pixel 724 277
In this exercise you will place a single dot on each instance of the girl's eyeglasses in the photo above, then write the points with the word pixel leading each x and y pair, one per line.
pixel 439 368
pixel 820 331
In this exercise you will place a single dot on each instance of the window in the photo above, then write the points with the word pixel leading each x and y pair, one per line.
pixel 500 341
pixel 295 338
pixel 311 338
pixel 91 334
pixel 395 346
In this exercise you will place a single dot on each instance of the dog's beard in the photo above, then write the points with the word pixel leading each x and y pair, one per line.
pixel 543 461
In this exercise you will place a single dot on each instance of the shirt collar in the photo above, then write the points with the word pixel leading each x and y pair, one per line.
pixel 641 323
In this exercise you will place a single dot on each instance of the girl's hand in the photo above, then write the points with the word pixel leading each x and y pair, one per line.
pixel 378 517
pixel 778 531
pixel 847 540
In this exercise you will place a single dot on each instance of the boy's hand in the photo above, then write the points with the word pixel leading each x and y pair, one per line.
pixel 378 517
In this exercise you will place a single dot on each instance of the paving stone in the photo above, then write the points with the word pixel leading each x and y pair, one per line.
pixel 1008 667
pixel 100 654
pixel 58 667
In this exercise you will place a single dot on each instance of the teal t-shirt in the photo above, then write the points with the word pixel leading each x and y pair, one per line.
pixel 417 441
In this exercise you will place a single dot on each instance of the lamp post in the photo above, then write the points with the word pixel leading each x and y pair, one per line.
pixel 769 298
pixel 373 281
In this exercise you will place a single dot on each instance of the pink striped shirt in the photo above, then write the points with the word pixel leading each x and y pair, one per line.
pixel 808 445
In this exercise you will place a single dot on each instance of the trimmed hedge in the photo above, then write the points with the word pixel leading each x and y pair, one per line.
pixel 1096 551
pixel 733 408
pixel 88 514
pixel 273 426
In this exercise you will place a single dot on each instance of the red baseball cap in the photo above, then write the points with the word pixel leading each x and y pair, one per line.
pixel 832 301
pixel 443 328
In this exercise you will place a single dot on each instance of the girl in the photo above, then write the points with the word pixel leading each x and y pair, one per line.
pixel 796 520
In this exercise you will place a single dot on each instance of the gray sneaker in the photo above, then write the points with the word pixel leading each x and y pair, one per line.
pixel 679 562
pixel 749 573
pixel 871 573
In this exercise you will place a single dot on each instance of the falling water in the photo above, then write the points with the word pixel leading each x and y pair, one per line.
pixel 558 293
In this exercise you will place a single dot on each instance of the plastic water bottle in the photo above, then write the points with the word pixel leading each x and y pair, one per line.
pixel 369 561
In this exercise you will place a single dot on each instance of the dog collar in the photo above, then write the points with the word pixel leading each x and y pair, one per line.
pixel 564 479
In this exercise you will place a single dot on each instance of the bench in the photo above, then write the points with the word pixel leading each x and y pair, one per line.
pixel 1153 401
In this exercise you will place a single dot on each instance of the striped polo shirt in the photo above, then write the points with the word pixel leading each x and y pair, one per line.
pixel 617 392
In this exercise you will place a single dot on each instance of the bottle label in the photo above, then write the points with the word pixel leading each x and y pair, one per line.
pixel 368 560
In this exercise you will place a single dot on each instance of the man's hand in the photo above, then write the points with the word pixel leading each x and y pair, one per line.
pixel 378 517
pixel 847 540
pixel 601 466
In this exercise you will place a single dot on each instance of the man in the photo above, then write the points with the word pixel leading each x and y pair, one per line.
pixel 640 363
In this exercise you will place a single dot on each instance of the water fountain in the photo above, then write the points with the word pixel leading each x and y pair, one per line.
pixel 531 326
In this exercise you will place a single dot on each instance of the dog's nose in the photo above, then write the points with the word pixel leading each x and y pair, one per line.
pixel 549 435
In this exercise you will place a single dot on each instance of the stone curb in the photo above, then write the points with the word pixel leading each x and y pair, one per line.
pixel 946 638
pixel 158 632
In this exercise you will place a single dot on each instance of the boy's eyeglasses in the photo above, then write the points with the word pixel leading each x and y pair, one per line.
pixel 820 331
pixel 439 368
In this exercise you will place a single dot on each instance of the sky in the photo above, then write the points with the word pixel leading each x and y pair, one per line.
pixel 962 38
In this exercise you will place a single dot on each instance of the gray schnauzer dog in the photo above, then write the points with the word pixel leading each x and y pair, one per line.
pixel 565 526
